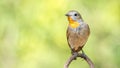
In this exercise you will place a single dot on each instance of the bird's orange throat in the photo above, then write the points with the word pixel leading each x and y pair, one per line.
pixel 73 23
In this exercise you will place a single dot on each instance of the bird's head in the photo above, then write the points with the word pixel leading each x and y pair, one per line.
pixel 73 16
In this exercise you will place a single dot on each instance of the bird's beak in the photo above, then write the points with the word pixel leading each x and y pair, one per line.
pixel 66 14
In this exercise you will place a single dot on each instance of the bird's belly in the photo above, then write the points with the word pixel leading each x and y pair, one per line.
pixel 77 40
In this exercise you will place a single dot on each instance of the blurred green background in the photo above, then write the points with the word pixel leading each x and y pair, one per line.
pixel 33 33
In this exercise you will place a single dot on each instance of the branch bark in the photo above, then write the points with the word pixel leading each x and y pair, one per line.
pixel 82 55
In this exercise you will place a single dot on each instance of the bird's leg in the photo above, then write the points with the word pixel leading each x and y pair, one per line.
pixel 83 51
pixel 75 54
pixel 83 55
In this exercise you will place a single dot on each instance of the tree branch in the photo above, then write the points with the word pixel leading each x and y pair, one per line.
pixel 82 55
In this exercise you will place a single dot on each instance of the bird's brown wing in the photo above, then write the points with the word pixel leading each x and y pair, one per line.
pixel 67 34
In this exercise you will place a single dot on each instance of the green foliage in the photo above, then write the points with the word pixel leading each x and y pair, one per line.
pixel 33 33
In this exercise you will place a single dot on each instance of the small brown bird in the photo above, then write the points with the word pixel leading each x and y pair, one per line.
pixel 77 32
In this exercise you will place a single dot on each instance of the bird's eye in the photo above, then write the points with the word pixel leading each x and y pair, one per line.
pixel 75 15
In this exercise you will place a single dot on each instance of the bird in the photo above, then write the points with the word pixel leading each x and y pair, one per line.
pixel 77 31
